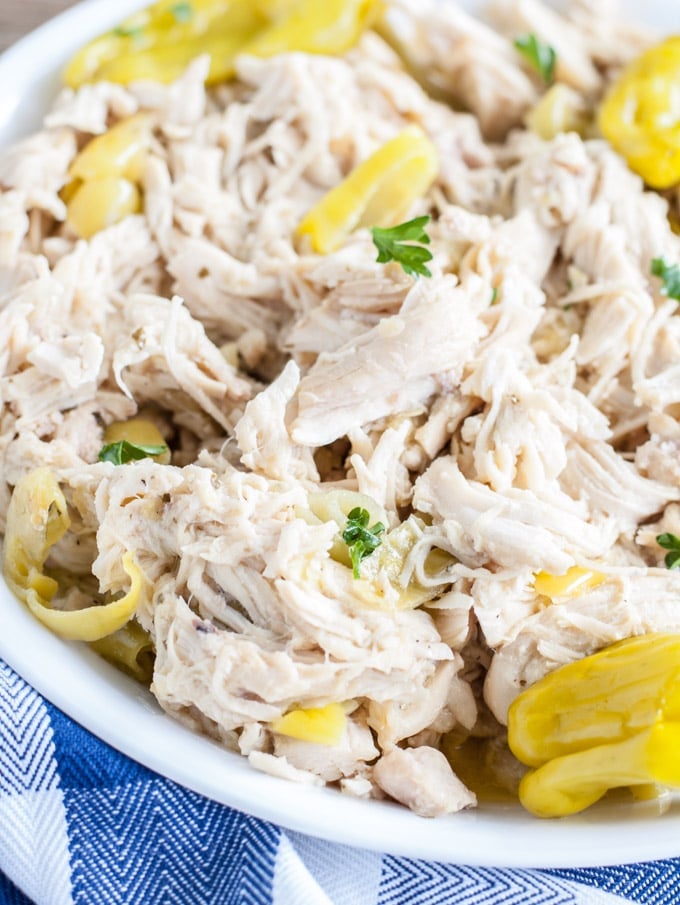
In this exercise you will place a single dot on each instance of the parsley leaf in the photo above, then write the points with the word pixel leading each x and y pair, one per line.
pixel 392 245
pixel 539 55
pixel 670 542
pixel 182 11
pixel 670 274
pixel 128 31
pixel 360 539
pixel 123 451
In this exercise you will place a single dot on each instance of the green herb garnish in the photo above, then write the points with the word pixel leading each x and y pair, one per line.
pixel 494 296
pixel 360 539
pixel 670 542
pixel 670 274
pixel 123 451
pixel 182 11
pixel 539 55
pixel 128 31
pixel 393 244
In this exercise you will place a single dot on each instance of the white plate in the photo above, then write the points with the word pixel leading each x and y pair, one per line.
pixel 121 713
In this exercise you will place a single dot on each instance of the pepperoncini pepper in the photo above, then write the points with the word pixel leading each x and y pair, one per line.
pixel 640 115
pixel 378 192
pixel 609 720
pixel 37 518
pixel 159 42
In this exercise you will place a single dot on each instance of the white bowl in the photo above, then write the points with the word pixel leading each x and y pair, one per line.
pixel 118 711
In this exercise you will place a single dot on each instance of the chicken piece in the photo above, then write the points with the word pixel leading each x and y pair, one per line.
pixel 659 457
pixel 612 486
pixel 335 396
pixel 165 338
pixel 631 602
pixel 574 67
pixel 263 437
pixel 331 763
pixel 88 109
pixel 394 721
pixel 279 766
pixel 514 529
pixel 463 58
pixel 37 166
pixel 422 779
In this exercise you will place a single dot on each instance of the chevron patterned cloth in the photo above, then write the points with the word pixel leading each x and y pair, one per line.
pixel 81 823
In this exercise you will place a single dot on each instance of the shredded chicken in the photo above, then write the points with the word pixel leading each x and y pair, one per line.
pixel 515 412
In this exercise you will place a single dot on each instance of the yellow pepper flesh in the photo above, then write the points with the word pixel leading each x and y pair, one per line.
pixel 574 581
pixel 378 192
pixel 611 719
pixel 331 27
pixel 640 115
pixel 159 42
pixel 101 203
pixel 37 518
pixel 159 25
pixel 119 152
pixel 320 725
pixel 569 784
pixel 604 697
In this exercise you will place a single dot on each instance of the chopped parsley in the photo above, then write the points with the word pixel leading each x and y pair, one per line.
pixel 123 451
pixel 394 244
pixel 360 539
pixel 128 31
pixel 182 11
pixel 670 275
pixel 494 296
pixel 670 542
pixel 540 56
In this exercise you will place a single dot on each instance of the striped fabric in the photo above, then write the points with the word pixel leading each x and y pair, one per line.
pixel 81 823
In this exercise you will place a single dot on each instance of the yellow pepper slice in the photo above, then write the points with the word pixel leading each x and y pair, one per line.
pixel 378 192
pixel 560 109
pixel 330 27
pixel 640 115
pixel 574 581
pixel 611 719
pixel 320 725
pixel 101 203
pixel 168 23
pixel 159 42
pixel 569 784
pixel 119 152
pixel 37 518
pixel 166 62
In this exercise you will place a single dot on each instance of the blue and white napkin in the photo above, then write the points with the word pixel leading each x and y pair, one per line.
pixel 81 823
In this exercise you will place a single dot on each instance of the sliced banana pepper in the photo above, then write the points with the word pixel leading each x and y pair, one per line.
pixel 378 192
pixel 37 518
pixel 159 42
pixel 320 725
pixel 611 719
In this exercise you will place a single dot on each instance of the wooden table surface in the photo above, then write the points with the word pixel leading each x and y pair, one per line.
pixel 17 17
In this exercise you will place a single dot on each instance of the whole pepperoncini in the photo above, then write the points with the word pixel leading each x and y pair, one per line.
pixel 607 721
pixel 640 115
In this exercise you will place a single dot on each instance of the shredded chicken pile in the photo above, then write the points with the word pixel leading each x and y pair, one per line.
pixel 518 409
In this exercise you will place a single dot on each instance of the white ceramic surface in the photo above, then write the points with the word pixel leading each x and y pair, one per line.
pixel 124 715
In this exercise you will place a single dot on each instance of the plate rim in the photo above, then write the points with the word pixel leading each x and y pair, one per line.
pixel 478 838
